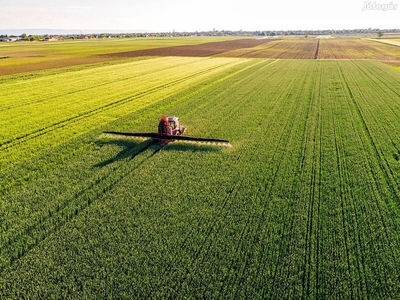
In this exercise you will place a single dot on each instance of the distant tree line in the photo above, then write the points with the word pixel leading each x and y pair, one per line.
pixel 376 31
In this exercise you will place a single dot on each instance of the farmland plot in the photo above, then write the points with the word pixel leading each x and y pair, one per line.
pixel 33 56
pixel 305 204
pixel 300 48
pixel 352 48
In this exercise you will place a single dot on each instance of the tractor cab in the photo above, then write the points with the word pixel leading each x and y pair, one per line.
pixel 170 126
pixel 173 122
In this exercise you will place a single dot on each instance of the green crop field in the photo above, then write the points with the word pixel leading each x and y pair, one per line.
pixel 304 205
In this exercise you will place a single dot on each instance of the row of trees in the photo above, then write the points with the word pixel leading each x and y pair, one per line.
pixel 23 37
pixel 214 32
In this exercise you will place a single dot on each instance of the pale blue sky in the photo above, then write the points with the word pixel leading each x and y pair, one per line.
pixel 187 15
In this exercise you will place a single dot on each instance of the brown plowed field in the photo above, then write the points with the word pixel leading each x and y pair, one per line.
pixel 51 64
pixel 201 50
pixel 250 48
pixel 296 48
pixel 280 49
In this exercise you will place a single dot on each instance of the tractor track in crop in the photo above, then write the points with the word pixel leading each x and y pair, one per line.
pixel 310 141
pixel 341 170
pixel 348 198
pixel 362 267
pixel 211 227
pixel 268 191
pixel 215 224
pixel 288 133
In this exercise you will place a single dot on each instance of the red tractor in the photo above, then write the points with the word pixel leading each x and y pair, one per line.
pixel 170 126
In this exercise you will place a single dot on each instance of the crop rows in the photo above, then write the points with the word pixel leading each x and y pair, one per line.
pixel 31 57
pixel 90 100
pixel 280 49
pixel 304 205
pixel 358 49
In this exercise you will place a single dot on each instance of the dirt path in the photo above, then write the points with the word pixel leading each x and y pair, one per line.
pixel 316 51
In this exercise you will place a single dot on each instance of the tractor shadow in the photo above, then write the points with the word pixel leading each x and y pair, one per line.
pixel 132 148
pixel 129 149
